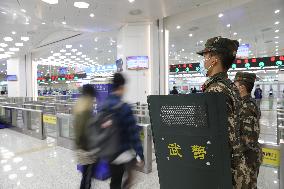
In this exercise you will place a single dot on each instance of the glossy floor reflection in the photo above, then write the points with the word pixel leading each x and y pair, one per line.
pixel 29 163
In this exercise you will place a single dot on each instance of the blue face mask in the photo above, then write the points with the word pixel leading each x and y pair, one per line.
pixel 203 70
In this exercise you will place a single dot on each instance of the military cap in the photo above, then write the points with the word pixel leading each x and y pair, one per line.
pixel 245 77
pixel 221 45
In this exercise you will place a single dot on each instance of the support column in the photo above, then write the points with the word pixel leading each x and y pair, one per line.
pixel 140 39
pixel 26 72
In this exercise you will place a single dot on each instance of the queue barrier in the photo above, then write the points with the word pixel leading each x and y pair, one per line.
pixel 26 121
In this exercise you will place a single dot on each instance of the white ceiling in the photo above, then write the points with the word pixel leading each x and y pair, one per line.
pixel 110 15
pixel 252 20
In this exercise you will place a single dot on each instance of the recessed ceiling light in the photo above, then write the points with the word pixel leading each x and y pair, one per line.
pixel 81 5
pixel 109 51
pixel 96 39
pixel 201 41
pixel 23 10
pixel 56 54
pixel 14 33
pixel 190 35
pixel 19 44
pixel 92 15
pixel 276 46
pixel 173 45
pixel 78 53
pixel 62 50
pixel 14 49
pixel 15 14
pixel 10 53
pixel 178 27
pixel 52 2
pixel 220 15
pixel 96 48
pixel 277 22
pixel 74 50
pixel 64 23
pixel 235 33
pixel 25 38
pixel 276 42
pixel 81 45
pixel 8 39
pixel 276 11
pixel 131 1
pixel 68 46
pixel 43 23
pixel 27 23
pixel 182 50
pixel 228 25
pixel 276 31
pixel 67 54
pixel 276 37
pixel 3 12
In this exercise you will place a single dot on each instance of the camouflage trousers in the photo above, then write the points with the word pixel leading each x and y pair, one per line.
pixel 254 170
pixel 240 173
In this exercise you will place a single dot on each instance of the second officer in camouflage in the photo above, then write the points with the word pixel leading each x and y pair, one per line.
pixel 250 129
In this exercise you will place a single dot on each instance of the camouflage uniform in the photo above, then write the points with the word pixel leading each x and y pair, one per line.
pixel 250 129
pixel 220 83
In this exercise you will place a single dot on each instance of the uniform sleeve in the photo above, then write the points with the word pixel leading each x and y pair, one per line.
pixel 220 87
pixel 250 127
pixel 133 132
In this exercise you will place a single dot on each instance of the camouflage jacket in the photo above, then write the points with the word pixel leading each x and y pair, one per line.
pixel 220 83
pixel 250 129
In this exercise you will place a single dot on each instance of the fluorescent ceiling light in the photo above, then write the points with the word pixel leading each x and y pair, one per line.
pixel 178 27
pixel 43 23
pixel 63 50
pixel 84 56
pixel 73 57
pixel 228 25
pixel 64 23
pixel 277 22
pixel 14 33
pixel 23 10
pixel 78 53
pixel 3 45
pixel 235 33
pixel 131 1
pixel 19 44
pixel 276 42
pixel 276 37
pixel 8 39
pixel 190 35
pixel 276 11
pixel 67 54
pixel 220 15
pixel 96 48
pixel 52 2
pixel 10 53
pixel 276 31
pixel 68 46
pixel 96 39
pixel 81 45
pixel 92 15
pixel 3 12
pixel 25 38
pixel 1 49
pixel 56 54
pixel 81 5
pixel 201 41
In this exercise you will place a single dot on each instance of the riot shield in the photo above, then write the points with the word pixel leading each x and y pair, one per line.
pixel 191 141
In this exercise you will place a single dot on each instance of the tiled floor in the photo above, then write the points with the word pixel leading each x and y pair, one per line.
pixel 29 163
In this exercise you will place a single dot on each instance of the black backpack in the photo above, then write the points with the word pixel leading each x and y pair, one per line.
pixel 103 134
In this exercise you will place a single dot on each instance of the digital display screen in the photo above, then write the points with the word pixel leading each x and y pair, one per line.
pixel 259 62
pixel 137 62
pixel 11 78
pixel 185 67
pixel 62 77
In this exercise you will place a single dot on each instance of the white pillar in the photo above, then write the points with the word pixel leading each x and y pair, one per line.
pixel 140 39
pixel 26 73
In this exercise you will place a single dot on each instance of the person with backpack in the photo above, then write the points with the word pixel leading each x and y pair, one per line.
pixel 83 112
pixel 130 150
pixel 219 55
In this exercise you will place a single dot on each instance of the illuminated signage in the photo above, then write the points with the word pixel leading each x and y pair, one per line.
pixel 259 62
pixel 62 77
pixel 185 67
